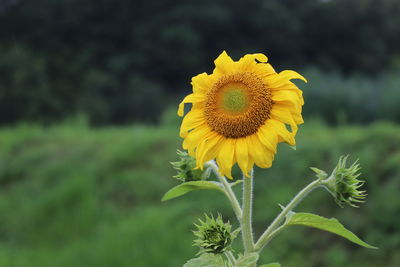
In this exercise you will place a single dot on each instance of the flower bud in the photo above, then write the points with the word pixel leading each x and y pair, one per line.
pixel 213 235
pixel 344 184
pixel 187 170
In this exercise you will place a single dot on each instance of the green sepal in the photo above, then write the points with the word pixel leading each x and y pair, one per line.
pixel 187 187
pixel 186 169
pixel 330 225
pixel 236 232
pixel 247 260
pixel 206 260
pixel 344 184
pixel 293 147
pixel 275 264
pixel 321 174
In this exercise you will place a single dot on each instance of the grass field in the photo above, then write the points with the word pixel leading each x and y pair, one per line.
pixel 75 196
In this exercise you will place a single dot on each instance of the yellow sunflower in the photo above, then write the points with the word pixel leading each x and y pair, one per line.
pixel 240 113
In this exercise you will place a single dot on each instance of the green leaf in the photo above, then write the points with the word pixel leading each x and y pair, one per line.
pixel 206 260
pixel 248 260
pixel 187 187
pixel 275 264
pixel 331 225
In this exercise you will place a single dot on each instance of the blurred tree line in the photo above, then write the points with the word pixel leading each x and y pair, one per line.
pixel 123 61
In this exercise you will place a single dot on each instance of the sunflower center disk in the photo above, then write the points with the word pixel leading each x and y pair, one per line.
pixel 235 100
pixel 238 104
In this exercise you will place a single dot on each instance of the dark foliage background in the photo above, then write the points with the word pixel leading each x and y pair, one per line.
pixel 123 61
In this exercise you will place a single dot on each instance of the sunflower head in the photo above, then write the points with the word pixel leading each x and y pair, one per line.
pixel 344 184
pixel 240 112
pixel 187 170
pixel 213 235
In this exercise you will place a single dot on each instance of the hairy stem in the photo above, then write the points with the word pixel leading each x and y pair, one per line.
pixel 228 191
pixel 270 232
pixel 231 258
pixel 247 231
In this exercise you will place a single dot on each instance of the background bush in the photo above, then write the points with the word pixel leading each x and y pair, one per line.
pixel 125 61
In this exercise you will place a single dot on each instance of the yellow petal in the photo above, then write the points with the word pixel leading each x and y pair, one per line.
pixel 242 155
pixel 192 98
pixel 225 158
pixel 264 70
pixel 259 153
pixel 287 87
pixel 267 136
pixel 205 147
pixel 288 97
pixel 253 57
pixel 202 83
pixel 194 137
pixel 297 117
pixel 248 62
pixel 296 92
pixel 282 132
pixel 192 120
pixel 250 165
pixel 282 114
pixel 295 112
pixel 223 64
pixel 284 77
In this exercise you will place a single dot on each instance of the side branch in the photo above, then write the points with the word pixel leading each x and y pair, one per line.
pixel 270 232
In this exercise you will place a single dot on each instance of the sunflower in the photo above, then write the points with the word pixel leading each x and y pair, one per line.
pixel 240 113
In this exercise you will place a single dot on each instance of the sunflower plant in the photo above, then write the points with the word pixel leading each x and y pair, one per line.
pixel 239 113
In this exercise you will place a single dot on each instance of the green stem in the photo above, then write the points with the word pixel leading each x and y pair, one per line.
pixel 228 191
pixel 270 232
pixel 247 231
pixel 272 235
pixel 230 257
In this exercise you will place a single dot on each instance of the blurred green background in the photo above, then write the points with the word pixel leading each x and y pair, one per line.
pixel 88 97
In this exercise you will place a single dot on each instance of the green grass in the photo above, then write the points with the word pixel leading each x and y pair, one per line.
pixel 75 196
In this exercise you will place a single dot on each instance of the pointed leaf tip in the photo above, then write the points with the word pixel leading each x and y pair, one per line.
pixel 275 264
pixel 187 187
pixel 247 260
pixel 206 260
pixel 330 225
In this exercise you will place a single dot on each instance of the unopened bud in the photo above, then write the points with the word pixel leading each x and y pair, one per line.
pixel 213 235
pixel 187 170
pixel 344 184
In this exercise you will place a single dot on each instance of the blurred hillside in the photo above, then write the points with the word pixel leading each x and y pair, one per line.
pixel 74 196
pixel 123 61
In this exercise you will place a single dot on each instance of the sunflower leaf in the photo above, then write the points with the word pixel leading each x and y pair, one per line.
pixel 275 264
pixel 206 260
pixel 330 225
pixel 248 260
pixel 187 187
